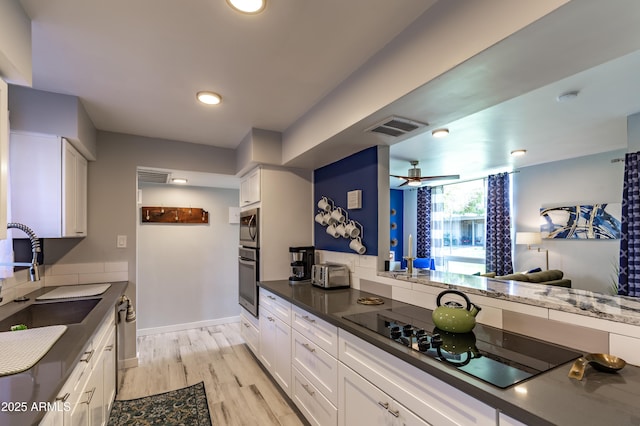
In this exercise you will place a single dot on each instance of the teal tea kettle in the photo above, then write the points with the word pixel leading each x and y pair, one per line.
pixel 454 317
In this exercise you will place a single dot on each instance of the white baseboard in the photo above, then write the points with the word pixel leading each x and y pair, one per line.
pixel 127 363
pixel 186 326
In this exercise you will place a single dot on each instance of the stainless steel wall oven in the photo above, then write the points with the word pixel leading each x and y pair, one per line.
pixel 248 261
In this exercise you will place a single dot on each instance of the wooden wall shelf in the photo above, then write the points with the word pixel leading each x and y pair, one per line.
pixel 185 215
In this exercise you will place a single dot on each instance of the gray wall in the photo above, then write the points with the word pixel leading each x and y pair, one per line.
pixel 187 273
pixel 112 196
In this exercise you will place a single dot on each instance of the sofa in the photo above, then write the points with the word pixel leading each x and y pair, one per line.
pixel 550 277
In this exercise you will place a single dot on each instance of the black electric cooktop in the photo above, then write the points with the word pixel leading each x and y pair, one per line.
pixel 495 356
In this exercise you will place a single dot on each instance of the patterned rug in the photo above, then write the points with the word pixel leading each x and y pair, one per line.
pixel 186 406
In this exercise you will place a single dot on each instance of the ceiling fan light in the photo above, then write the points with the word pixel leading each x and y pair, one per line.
pixel 518 152
pixel 440 133
pixel 209 98
pixel 250 7
pixel 414 183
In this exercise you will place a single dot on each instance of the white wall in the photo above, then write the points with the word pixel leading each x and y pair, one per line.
pixel 187 273
pixel 589 264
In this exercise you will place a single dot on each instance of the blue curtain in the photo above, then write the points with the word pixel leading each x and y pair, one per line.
pixel 498 245
pixel 629 274
pixel 423 238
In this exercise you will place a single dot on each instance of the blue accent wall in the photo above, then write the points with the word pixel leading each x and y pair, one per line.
pixel 358 171
pixel 396 215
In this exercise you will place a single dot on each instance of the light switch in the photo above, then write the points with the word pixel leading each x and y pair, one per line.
pixel 354 199
pixel 121 241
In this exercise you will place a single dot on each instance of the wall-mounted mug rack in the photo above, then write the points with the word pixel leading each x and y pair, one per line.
pixel 337 223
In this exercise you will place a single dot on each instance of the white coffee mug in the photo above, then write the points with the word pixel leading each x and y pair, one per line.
pixel 341 229
pixel 324 204
pixel 352 229
pixel 338 215
pixel 328 220
pixel 356 245
pixel 320 219
pixel 331 230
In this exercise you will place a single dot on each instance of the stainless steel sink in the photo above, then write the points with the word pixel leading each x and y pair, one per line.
pixel 50 313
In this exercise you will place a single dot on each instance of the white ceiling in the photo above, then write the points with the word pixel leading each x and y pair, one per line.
pixel 137 65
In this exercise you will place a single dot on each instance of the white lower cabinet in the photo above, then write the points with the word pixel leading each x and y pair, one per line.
pixel 87 395
pixel 362 403
pixel 315 407
pixel 504 420
pixel 275 347
pixel 428 398
pixel 250 331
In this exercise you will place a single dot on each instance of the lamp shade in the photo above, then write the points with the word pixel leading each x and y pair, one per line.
pixel 528 238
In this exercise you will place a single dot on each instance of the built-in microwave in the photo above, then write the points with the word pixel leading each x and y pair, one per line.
pixel 249 227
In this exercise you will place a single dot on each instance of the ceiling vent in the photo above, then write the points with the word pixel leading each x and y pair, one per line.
pixel 153 176
pixel 396 126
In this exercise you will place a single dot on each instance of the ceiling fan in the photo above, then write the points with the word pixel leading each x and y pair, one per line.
pixel 414 177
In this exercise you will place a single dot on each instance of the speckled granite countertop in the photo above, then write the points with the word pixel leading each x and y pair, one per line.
pixel 548 399
pixel 582 302
pixel 42 382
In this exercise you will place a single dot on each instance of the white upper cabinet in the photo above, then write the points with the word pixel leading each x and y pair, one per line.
pixel 48 185
pixel 4 157
pixel 250 188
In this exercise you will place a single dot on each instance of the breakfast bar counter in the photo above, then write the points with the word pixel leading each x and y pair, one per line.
pixel 550 398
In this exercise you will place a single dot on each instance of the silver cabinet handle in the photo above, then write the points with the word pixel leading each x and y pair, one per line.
pixel 245 324
pixel 394 413
pixel 309 391
pixel 64 397
pixel 90 397
pixel 108 348
pixel 270 319
pixel 384 405
pixel 88 358
pixel 306 318
pixel 271 297
pixel 307 347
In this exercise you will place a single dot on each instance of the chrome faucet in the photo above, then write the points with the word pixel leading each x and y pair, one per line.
pixel 34 273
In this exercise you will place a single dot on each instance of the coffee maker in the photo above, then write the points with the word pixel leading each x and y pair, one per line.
pixel 302 259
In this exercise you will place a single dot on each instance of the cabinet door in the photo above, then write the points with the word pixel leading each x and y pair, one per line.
pixel 361 403
pixel 282 356
pixel 53 418
pixel 4 157
pixel 95 393
pixel 109 372
pixel 74 189
pixel 267 339
pixel 250 188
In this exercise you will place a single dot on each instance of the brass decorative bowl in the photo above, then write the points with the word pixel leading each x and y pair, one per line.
pixel 370 301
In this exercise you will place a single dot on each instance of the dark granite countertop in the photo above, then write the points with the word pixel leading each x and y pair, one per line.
pixel 547 399
pixel 43 382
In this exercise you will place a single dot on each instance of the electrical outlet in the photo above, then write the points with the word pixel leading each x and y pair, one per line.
pixel 121 241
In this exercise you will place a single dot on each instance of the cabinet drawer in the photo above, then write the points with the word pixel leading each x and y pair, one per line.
pixel 317 409
pixel 318 366
pixel 315 329
pixel 250 333
pixel 428 397
pixel 277 305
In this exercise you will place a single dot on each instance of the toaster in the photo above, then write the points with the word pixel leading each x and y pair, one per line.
pixel 330 275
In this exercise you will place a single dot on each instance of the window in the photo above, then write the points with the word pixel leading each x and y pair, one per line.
pixel 458 227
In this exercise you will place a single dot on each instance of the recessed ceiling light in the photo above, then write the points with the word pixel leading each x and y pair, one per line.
pixel 179 180
pixel 440 133
pixel 568 96
pixel 248 6
pixel 518 152
pixel 209 98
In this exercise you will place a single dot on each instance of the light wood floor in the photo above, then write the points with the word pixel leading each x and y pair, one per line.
pixel 238 390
